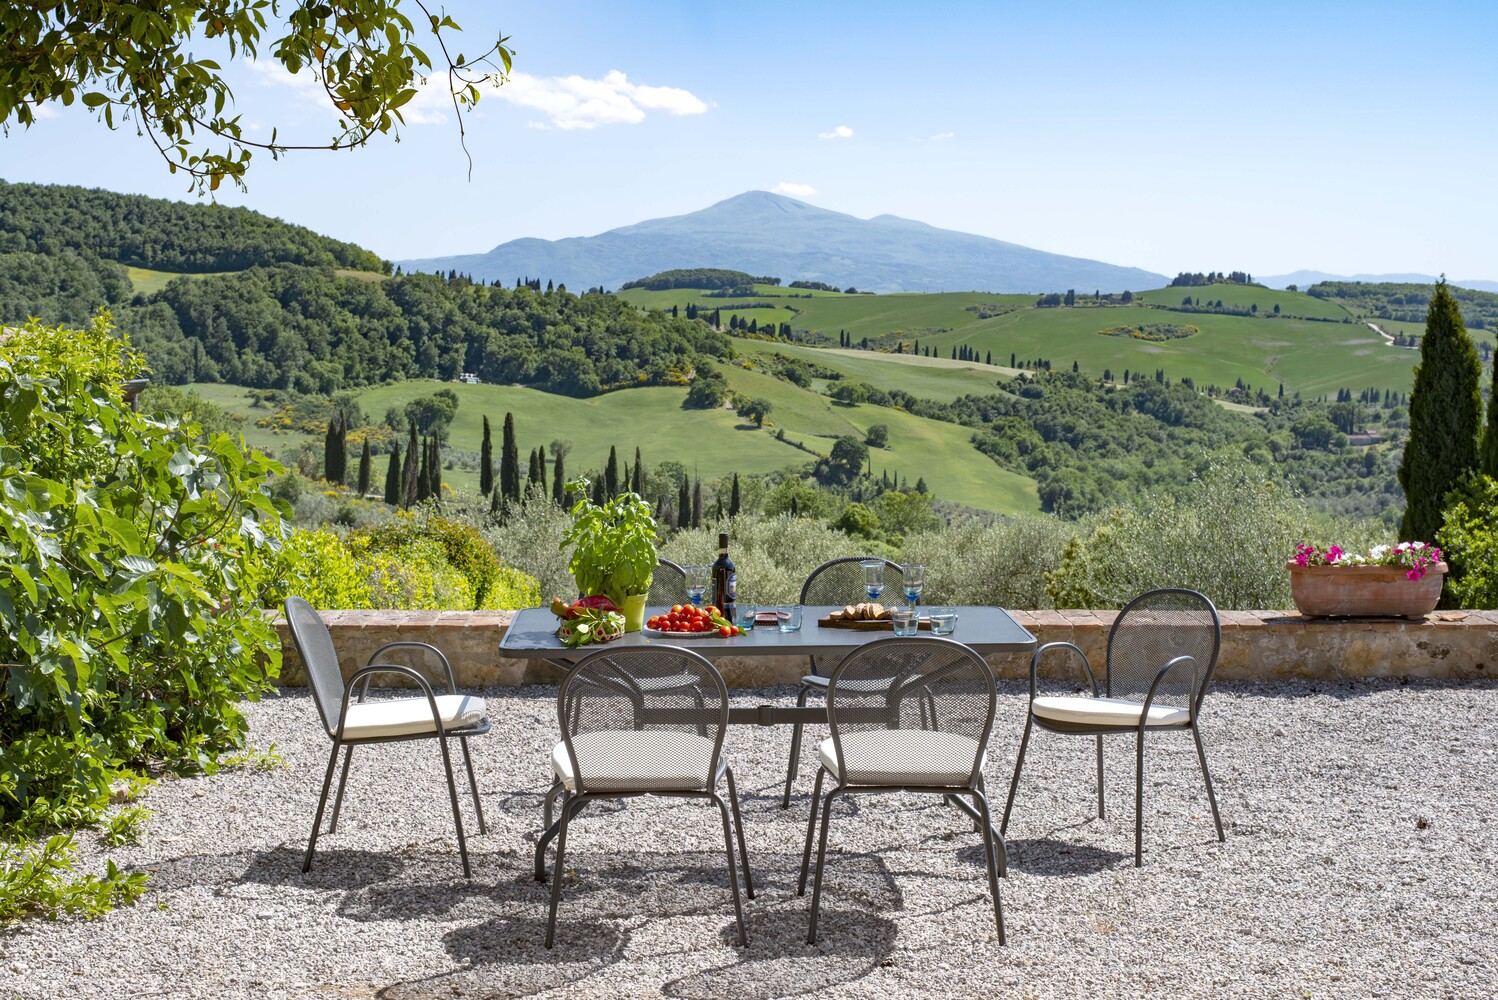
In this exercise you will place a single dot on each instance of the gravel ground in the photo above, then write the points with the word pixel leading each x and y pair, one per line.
pixel 1359 862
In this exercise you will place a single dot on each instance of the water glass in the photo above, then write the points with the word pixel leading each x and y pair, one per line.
pixel 696 582
pixel 905 621
pixel 789 617
pixel 744 616
pixel 914 581
pixel 943 621
pixel 873 577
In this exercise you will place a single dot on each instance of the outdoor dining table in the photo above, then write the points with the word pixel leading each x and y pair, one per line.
pixel 982 628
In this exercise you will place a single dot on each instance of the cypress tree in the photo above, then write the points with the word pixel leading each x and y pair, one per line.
pixel 611 474
pixel 1445 417
pixel 393 477
pixel 1488 457
pixel 424 473
pixel 559 482
pixel 486 461
pixel 435 484
pixel 697 504
pixel 598 497
pixel 366 467
pixel 409 469
pixel 509 461
pixel 541 466
pixel 733 497
pixel 533 475
pixel 637 480
pixel 496 503
pixel 684 505
pixel 330 451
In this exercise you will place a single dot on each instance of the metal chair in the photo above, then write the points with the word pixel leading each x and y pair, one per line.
pixel 623 738
pixel 350 723
pixel 1162 650
pixel 907 714
pixel 837 581
pixel 668 585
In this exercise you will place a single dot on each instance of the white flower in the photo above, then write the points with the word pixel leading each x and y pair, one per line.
pixel 1417 545
pixel 1378 552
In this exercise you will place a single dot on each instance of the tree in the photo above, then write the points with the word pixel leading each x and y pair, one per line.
pixel 509 461
pixel 149 65
pixel 335 459
pixel 733 497
pixel 1488 459
pixel 393 477
pixel 366 468
pixel 877 436
pixel 708 391
pixel 424 472
pixel 408 471
pixel 637 479
pixel 486 461
pixel 755 409
pixel 533 472
pixel 1445 416
pixel 697 504
pixel 541 466
pixel 559 479
pixel 611 474
pixel 684 505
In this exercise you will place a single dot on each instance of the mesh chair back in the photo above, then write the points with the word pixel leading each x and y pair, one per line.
pixel 668 585
pixel 840 581
pixel 1155 628
pixel 618 722
pixel 918 684
pixel 315 645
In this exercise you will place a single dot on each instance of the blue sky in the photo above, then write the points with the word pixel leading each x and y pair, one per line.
pixel 1346 137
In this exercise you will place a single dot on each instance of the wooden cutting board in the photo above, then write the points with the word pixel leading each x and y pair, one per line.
pixel 876 625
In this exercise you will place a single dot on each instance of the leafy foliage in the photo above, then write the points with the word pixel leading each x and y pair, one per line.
pixel 613 544
pixel 140 61
pixel 132 589
pixel 1469 541
pixel 700 277
pixel 35 881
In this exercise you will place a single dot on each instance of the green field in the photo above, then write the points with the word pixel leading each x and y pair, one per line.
pixel 1246 296
pixel 926 378
pixel 713 443
pixel 147 282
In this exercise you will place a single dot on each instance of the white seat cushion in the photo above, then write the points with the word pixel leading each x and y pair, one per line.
pixel 904 757
pixel 1105 711
pixel 643 760
pixel 874 684
pixel 407 716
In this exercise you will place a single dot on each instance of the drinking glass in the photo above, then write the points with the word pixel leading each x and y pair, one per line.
pixel 744 616
pixel 873 577
pixel 696 582
pixel 915 582
pixel 905 621
pixel 943 621
pixel 789 617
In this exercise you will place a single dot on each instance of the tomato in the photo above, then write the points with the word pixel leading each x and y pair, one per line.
pixel 676 609
pixel 725 630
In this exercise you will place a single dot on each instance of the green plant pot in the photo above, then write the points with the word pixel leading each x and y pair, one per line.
pixel 634 612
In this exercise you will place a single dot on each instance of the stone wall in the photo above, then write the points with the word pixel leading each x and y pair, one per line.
pixel 1256 645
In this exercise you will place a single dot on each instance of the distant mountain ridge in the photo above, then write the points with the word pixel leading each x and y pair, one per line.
pixel 1303 279
pixel 765 233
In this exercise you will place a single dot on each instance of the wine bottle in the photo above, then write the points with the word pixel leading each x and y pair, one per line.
pixel 725 580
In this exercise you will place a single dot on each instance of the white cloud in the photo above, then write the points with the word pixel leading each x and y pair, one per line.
pixel 841 132
pixel 429 107
pixel 577 102
pixel 794 190
pixel 942 135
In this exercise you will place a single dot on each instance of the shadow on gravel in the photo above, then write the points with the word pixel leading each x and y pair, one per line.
pixel 1059 858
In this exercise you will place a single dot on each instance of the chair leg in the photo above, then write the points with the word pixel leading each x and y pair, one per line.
pixel 473 785
pixel 811 828
pixel 322 801
pixel 816 884
pixel 1100 778
pixel 733 875
pixel 452 794
pixel 549 803
pixel 1139 802
pixel 348 758
pixel 556 875
pixel 738 825
pixel 794 765
pixel 1019 762
pixel 992 851
pixel 1201 755
pixel 987 818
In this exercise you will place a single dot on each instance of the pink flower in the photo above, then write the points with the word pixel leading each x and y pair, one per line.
pixel 1414 574
pixel 1333 553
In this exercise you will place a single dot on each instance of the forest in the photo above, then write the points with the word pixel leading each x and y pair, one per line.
pixel 1407 302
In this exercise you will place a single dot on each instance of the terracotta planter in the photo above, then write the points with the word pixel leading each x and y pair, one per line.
pixel 1364 591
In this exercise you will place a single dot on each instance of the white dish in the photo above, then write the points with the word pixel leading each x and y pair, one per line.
pixel 656 633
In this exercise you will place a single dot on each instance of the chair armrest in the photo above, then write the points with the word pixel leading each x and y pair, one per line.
pixel 1075 649
pixel 1160 675
pixel 447 667
pixel 365 673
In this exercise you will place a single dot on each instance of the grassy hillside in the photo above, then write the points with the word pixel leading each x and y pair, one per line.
pixel 148 282
pixel 715 443
pixel 1246 297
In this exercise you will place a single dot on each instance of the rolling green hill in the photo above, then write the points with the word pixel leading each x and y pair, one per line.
pixel 714 443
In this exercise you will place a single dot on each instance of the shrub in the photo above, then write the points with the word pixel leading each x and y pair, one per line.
pixel 1003 563
pixel 427 540
pixel 1469 539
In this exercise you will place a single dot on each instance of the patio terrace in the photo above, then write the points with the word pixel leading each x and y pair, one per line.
pixel 1359 861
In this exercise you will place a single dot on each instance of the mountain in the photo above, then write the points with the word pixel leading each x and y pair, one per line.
pixel 765 233
pixel 1304 279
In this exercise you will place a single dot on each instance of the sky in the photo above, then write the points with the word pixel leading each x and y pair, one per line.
pixel 1348 137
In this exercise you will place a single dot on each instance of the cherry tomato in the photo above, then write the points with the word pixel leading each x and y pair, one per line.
pixel 676 609
pixel 725 630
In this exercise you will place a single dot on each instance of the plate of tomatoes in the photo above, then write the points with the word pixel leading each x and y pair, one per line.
pixel 688 621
